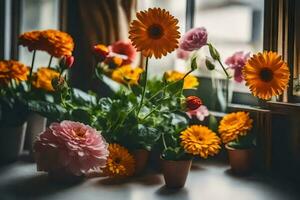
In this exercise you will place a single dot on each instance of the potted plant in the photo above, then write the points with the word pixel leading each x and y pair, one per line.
pixel 59 45
pixel 239 141
pixel 13 74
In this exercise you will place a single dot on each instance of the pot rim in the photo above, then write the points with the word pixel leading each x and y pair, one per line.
pixel 174 161
pixel 232 148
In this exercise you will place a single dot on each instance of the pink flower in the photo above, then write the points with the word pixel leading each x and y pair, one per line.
pixel 182 54
pixel 124 48
pixel 70 147
pixel 201 112
pixel 194 39
pixel 237 62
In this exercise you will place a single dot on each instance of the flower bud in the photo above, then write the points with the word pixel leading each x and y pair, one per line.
pixel 101 52
pixel 209 65
pixel 59 83
pixel 213 52
pixel 69 61
pixel 193 102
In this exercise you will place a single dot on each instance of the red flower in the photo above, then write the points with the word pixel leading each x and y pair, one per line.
pixel 193 102
pixel 124 48
pixel 101 51
pixel 66 62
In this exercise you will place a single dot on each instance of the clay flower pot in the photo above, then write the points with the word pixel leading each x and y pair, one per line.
pixel 11 142
pixel 241 160
pixel 36 124
pixel 141 158
pixel 175 172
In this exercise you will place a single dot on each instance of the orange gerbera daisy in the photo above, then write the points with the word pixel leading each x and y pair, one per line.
pixel 200 140
pixel 266 74
pixel 234 125
pixel 120 162
pixel 10 69
pixel 57 43
pixel 155 32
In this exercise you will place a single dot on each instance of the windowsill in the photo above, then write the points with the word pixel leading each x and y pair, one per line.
pixel 207 180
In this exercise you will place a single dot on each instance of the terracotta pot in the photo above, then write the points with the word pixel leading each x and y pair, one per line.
pixel 141 158
pixel 36 124
pixel 11 142
pixel 175 172
pixel 241 160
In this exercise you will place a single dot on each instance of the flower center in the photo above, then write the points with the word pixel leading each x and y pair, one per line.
pixel 266 75
pixel 117 160
pixel 155 31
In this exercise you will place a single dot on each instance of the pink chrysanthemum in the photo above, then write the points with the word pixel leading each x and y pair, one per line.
pixel 71 147
pixel 194 39
pixel 237 62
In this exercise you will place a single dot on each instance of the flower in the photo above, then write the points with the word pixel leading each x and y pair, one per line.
pixel 155 32
pixel 234 125
pixel 57 43
pixel 237 62
pixel 43 78
pixel 200 140
pixel 201 112
pixel 193 102
pixel 194 39
pixel 31 40
pixel 124 48
pixel 72 147
pixel 182 54
pixel 11 69
pixel 127 75
pixel 266 74
pixel 120 162
pixel 190 81
pixel 101 51
pixel 113 62
pixel 66 62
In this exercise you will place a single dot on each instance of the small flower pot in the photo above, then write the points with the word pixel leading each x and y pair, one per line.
pixel 11 142
pixel 36 124
pixel 175 172
pixel 141 158
pixel 241 160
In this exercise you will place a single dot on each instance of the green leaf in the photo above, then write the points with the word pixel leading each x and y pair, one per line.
pixel 177 153
pixel 194 64
pixel 137 90
pixel 243 142
pixel 175 87
pixel 142 79
pixel 81 115
pixel 213 123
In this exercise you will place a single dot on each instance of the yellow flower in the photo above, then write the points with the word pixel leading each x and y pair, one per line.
pixel 120 162
pixel 13 70
pixel 31 40
pixel 154 32
pixel 190 81
pixel 200 140
pixel 127 75
pixel 266 74
pixel 57 43
pixel 44 77
pixel 234 125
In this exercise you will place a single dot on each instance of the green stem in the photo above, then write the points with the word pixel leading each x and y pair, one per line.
pixel 50 61
pixel 144 87
pixel 224 69
pixel 164 141
pixel 227 83
pixel 32 64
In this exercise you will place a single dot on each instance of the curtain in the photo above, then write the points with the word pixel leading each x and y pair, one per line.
pixel 91 22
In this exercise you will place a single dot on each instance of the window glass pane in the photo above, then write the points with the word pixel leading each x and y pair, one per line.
pixel 38 15
pixel 232 25
pixel 177 9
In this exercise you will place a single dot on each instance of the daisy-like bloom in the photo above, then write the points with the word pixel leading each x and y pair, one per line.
pixel 70 147
pixel 237 62
pixel 11 69
pixel 43 78
pixel 124 48
pixel 31 40
pixel 127 75
pixel 190 82
pixel 266 74
pixel 200 140
pixel 57 43
pixel 154 32
pixel 120 163
pixel 234 125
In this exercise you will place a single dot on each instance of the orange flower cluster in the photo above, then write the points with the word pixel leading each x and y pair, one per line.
pixel 43 78
pixel 12 70
pixel 56 43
